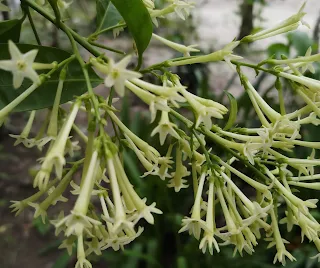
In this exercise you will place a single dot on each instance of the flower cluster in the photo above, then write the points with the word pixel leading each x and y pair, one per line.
pixel 106 208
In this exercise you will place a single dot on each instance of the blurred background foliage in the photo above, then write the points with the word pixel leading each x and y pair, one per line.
pixel 161 245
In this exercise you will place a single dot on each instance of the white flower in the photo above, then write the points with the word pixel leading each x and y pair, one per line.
pixel 204 110
pixel 83 263
pixel 149 4
pixel 311 83
pixel 195 224
pixel 284 127
pixel 18 206
pixel 169 93
pixel 68 244
pixel 145 212
pixel 116 31
pixel 182 8
pixel 4 7
pixel 281 256
pixel 160 104
pixel 29 143
pixel 20 65
pixel 178 47
pixel 77 223
pixel 209 241
pixel 42 178
pixel 177 182
pixel 165 164
pixel 305 62
pixel 155 103
pixel 93 246
pixel 229 57
pixel 181 171
pixel 250 149
pixel 118 241
pixel 290 24
pixel 76 190
pixel 118 74
pixel 165 127
pixel 39 211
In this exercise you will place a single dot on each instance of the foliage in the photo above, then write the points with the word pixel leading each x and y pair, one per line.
pixel 234 181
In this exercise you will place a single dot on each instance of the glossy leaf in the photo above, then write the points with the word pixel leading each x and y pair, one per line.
pixel 278 49
pixel 107 14
pixel 233 111
pixel 10 30
pixel 138 21
pixel 300 41
pixel 43 96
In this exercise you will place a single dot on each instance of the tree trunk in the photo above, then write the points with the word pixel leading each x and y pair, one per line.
pixel 246 18
pixel 5 15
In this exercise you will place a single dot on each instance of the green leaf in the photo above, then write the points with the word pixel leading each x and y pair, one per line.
pixel 142 256
pixel 138 21
pixel 43 96
pixel 132 169
pixel 182 262
pixel 42 228
pixel 133 259
pixel 52 246
pixel 107 15
pixel 233 111
pixel 300 42
pixel 10 30
pixel 278 49
pixel 62 261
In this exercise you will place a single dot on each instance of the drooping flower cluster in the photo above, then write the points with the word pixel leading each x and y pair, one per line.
pixel 107 210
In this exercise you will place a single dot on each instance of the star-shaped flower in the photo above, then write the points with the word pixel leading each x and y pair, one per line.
pixel 20 65
pixel 118 74
pixel 165 127
pixel 182 8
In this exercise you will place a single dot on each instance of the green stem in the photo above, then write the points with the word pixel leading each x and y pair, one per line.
pixel 107 48
pixel 81 40
pixel 222 143
pixel 84 70
pixel 33 26
pixel 96 34
pixel 7 109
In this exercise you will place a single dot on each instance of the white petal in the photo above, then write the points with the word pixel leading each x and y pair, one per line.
pixel 8 65
pixel 14 51
pixel 173 133
pixel 155 131
pixel 179 13
pixel 109 81
pixel 30 56
pixel 130 74
pixel 124 62
pixel 309 51
pixel 110 64
pixel 155 21
pixel 119 87
pixel 17 79
pixel 153 111
pixel 32 74
pixel 162 136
